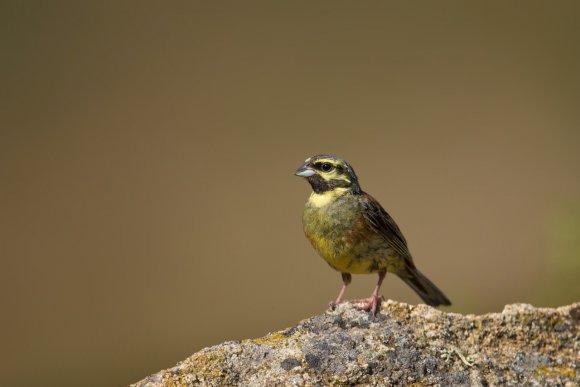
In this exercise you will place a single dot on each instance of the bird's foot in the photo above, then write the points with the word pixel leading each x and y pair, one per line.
pixel 371 304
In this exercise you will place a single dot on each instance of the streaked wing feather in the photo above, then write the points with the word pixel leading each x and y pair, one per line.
pixel 382 223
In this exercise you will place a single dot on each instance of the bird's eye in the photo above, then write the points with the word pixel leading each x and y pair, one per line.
pixel 326 167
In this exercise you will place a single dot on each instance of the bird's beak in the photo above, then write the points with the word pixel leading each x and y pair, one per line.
pixel 304 171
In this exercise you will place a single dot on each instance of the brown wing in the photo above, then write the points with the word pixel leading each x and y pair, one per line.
pixel 382 223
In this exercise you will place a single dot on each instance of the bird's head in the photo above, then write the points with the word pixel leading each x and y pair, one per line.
pixel 326 173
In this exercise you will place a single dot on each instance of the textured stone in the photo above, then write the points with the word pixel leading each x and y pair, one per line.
pixel 403 345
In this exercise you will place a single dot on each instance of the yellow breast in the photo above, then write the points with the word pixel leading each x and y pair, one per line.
pixel 333 225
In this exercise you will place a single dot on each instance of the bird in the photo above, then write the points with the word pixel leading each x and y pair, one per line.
pixel 354 234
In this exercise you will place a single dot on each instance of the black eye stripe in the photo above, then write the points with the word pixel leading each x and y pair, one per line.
pixel 325 166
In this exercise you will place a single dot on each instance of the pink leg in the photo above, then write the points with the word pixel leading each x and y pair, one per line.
pixel 346 278
pixel 373 303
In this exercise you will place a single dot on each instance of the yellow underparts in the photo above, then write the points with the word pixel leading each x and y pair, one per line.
pixel 348 264
pixel 342 259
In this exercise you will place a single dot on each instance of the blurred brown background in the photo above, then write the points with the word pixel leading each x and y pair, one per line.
pixel 147 152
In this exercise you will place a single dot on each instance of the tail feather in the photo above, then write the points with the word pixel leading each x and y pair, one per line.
pixel 424 287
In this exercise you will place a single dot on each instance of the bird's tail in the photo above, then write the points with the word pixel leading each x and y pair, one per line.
pixel 424 287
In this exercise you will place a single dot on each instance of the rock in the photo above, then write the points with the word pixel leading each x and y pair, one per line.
pixel 403 345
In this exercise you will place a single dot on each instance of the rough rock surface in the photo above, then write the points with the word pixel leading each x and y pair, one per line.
pixel 403 345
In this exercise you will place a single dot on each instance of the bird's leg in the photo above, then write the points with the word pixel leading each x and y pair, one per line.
pixel 373 303
pixel 346 278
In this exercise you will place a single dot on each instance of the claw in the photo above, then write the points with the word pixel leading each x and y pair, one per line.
pixel 335 303
pixel 371 304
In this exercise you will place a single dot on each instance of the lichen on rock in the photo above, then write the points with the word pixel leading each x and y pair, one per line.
pixel 403 345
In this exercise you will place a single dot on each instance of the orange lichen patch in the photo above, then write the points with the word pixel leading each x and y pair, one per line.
pixel 199 368
pixel 274 340
pixel 556 371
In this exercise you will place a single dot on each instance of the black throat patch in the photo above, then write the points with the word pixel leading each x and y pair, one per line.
pixel 319 185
